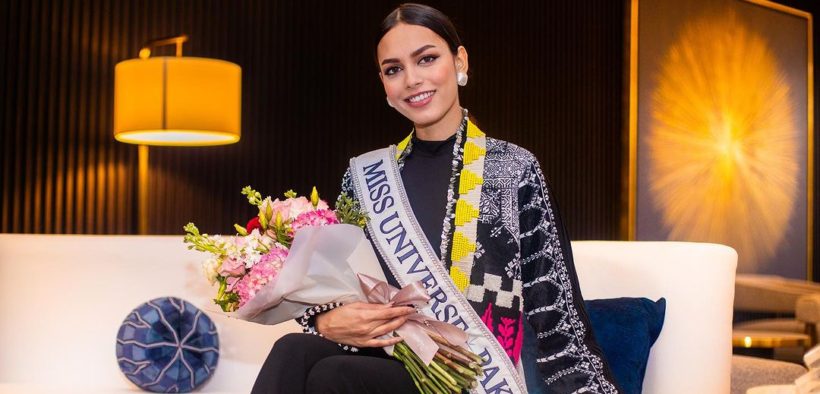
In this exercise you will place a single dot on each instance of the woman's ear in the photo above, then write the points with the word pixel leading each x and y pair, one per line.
pixel 462 64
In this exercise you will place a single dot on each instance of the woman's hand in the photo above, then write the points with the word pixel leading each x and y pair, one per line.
pixel 360 324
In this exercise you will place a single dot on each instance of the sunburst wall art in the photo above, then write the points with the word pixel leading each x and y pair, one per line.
pixel 723 145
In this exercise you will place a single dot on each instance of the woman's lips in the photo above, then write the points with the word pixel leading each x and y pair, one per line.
pixel 421 99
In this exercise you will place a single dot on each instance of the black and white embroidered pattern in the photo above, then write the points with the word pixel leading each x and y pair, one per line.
pixel 517 207
pixel 524 254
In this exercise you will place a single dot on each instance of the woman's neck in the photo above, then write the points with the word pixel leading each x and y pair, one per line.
pixel 444 128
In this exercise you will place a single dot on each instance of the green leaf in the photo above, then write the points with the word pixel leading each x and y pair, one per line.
pixel 254 197
pixel 349 211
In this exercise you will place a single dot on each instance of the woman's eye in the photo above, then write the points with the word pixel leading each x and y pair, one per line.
pixel 428 59
pixel 391 70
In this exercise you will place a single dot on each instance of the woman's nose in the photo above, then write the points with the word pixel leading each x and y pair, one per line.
pixel 412 78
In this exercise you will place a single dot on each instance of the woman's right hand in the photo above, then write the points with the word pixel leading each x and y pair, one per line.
pixel 360 324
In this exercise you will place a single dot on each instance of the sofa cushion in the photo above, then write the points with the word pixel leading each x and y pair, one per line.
pixel 167 345
pixel 625 329
pixel 748 372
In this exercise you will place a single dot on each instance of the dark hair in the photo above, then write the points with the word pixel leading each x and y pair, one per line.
pixel 420 15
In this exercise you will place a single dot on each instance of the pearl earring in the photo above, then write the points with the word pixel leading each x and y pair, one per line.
pixel 389 103
pixel 461 79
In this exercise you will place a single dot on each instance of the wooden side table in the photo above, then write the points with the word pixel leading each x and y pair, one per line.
pixel 763 343
pixel 769 339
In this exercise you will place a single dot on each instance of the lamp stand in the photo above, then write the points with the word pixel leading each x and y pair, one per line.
pixel 142 175
pixel 142 189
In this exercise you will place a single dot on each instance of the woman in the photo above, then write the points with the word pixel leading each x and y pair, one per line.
pixel 470 216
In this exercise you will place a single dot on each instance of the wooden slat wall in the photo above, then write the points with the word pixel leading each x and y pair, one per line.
pixel 545 75
pixel 62 171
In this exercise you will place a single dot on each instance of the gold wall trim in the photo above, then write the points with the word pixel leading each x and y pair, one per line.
pixel 631 174
pixel 632 141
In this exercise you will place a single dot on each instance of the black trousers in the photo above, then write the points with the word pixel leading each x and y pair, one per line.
pixel 304 363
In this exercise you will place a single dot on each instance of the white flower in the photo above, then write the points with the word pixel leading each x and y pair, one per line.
pixel 252 240
pixel 252 258
pixel 267 241
pixel 210 268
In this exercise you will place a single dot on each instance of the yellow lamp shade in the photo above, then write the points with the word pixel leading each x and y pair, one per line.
pixel 177 101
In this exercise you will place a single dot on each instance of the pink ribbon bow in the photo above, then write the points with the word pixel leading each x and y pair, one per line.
pixel 415 330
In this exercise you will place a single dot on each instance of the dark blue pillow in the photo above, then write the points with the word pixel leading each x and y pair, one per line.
pixel 167 345
pixel 624 328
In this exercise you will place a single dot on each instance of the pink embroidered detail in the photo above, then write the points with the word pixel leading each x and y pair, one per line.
pixel 519 340
pixel 509 334
pixel 487 317
pixel 506 339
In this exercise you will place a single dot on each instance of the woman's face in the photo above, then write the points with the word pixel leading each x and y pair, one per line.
pixel 418 72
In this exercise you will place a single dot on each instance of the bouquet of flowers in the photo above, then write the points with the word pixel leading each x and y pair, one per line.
pixel 298 253
pixel 244 264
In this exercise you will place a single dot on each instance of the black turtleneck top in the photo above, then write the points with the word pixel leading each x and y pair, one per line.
pixel 426 177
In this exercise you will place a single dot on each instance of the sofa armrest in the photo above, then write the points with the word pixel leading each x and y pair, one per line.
pixel 769 293
pixel 807 308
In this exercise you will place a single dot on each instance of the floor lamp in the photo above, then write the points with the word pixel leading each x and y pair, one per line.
pixel 174 101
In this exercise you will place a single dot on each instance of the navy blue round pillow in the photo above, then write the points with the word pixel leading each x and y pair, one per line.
pixel 167 345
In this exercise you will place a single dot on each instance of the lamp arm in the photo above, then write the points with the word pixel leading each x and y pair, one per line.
pixel 145 52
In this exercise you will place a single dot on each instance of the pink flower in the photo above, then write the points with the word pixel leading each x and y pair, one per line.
pixel 281 208
pixel 231 281
pixel 298 206
pixel 320 217
pixel 232 267
pixel 291 208
pixel 260 274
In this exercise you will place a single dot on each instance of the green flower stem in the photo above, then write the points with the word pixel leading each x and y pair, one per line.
pixel 463 381
pixel 414 373
pixel 457 357
pixel 465 377
pixel 435 386
pixel 465 356
pixel 429 380
pixel 455 366
pixel 456 349
pixel 435 382
pixel 438 381
pixel 442 385
pixel 442 374
pixel 221 293
pixel 410 356
pixel 452 373
pixel 416 368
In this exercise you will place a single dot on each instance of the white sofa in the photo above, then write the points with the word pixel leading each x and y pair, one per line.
pixel 64 298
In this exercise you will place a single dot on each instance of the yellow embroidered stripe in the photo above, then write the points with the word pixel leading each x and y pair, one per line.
pixel 470 183
pixel 465 212
pixel 472 152
pixel 467 205
pixel 403 145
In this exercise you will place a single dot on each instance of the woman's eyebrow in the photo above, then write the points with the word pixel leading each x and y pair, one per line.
pixel 414 54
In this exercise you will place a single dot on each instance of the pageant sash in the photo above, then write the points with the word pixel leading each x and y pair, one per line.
pixel 397 236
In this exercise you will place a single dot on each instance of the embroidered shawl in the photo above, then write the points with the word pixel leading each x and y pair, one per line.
pixel 523 267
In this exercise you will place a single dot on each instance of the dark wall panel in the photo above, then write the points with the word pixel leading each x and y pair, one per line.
pixel 544 75
pixel 62 171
